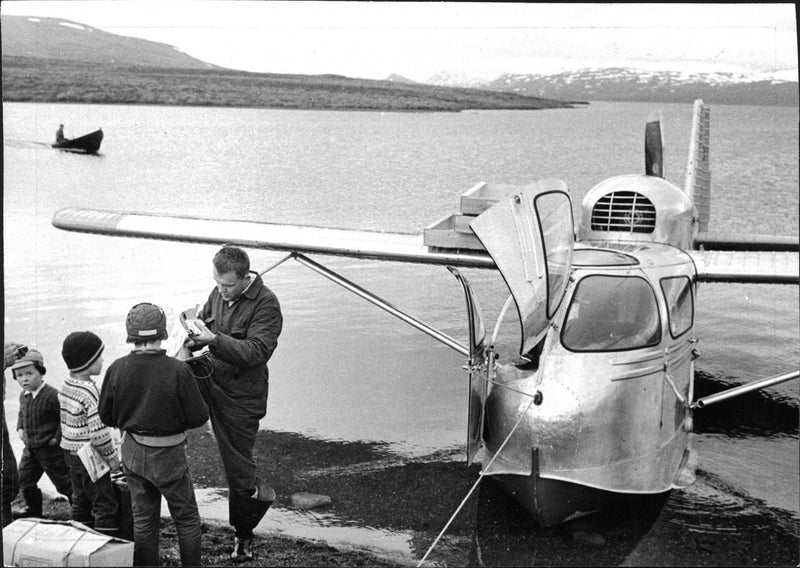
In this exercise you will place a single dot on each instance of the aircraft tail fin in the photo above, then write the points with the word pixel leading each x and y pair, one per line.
pixel 654 146
pixel 698 169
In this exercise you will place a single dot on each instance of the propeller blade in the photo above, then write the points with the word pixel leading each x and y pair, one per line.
pixel 654 147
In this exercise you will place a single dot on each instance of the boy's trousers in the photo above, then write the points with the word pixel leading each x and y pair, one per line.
pixel 93 503
pixel 37 461
pixel 152 472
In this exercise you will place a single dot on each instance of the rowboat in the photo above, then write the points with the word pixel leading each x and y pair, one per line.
pixel 88 143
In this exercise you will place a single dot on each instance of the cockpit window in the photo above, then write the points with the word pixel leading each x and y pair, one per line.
pixel 612 313
pixel 680 304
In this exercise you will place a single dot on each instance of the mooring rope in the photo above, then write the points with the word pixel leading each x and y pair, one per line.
pixel 481 475
pixel 500 449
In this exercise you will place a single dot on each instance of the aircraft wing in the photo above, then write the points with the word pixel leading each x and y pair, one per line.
pixel 762 267
pixel 712 266
pixel 376 245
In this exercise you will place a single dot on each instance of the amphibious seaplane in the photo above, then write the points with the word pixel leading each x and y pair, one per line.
pixel 598 403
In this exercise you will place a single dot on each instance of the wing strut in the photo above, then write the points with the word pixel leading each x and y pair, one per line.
pixel 745 388
pixel 276 264
pixel 383 304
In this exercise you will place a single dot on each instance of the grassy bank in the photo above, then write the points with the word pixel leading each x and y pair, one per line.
pixel 41 80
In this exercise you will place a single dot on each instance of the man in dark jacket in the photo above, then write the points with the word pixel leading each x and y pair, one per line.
pixel 240 323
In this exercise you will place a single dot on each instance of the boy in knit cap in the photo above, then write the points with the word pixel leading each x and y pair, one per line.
pixel 154 399
pixel 39 428
pixel 93 503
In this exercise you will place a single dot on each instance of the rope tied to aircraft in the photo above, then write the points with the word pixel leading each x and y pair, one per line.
pixel 302 259
pixel 481 475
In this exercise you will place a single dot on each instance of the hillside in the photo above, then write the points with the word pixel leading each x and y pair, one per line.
pixel 64 40
pixel 28 79
pixel 52 60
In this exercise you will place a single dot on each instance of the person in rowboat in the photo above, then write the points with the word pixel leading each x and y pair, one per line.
pixel 60 133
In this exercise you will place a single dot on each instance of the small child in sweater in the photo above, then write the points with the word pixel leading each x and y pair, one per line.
pixel 39 428
pixel 94 504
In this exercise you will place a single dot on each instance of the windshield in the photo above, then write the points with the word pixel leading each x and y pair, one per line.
pixel 612 313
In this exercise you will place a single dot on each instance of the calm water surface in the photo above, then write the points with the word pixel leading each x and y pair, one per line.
pixel 345 371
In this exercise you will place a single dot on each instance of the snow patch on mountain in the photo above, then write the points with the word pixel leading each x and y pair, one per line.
pixel 682 84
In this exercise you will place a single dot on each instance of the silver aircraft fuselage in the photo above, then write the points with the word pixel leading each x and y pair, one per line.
pixel 607 407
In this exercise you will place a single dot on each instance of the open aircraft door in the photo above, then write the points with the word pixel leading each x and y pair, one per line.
pixel 530 237
pixel 479 369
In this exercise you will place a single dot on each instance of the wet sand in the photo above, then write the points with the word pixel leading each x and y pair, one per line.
pixel 376 491
pixel 386 510
pixel 271 550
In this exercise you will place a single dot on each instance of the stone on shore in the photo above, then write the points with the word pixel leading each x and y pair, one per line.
pixel 310 500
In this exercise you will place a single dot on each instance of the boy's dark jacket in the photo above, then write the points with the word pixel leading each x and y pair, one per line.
pixel 40 417
pixel 146 392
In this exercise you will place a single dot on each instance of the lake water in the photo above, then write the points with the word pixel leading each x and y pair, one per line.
pixel 345 371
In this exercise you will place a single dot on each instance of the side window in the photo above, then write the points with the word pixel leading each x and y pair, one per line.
pixel 680 304
pixel 612 313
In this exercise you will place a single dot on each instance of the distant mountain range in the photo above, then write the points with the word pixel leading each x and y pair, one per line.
pixel 28 43
pixel 628 84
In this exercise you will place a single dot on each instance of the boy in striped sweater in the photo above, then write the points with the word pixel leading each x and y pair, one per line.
pixel 39 428
pixel 93 503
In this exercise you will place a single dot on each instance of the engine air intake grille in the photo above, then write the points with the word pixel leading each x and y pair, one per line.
pixel 625 211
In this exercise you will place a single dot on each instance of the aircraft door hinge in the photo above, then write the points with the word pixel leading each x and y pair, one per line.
pixel 473 368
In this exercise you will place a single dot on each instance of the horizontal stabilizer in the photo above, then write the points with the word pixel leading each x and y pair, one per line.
pixel 375 245
pixel 762 267
pixel 710 241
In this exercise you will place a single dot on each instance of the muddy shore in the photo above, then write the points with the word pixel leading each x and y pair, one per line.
pixel 374 491
pixel 269 550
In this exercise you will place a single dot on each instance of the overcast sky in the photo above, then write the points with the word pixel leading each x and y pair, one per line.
pixel 419 39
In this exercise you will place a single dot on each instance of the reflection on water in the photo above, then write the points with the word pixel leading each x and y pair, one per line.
pixel 313 525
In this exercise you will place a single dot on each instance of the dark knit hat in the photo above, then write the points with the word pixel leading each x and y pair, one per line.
pixel 146 322
pixel 80 350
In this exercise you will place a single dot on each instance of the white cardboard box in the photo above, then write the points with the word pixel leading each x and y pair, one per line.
pixel 39 542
